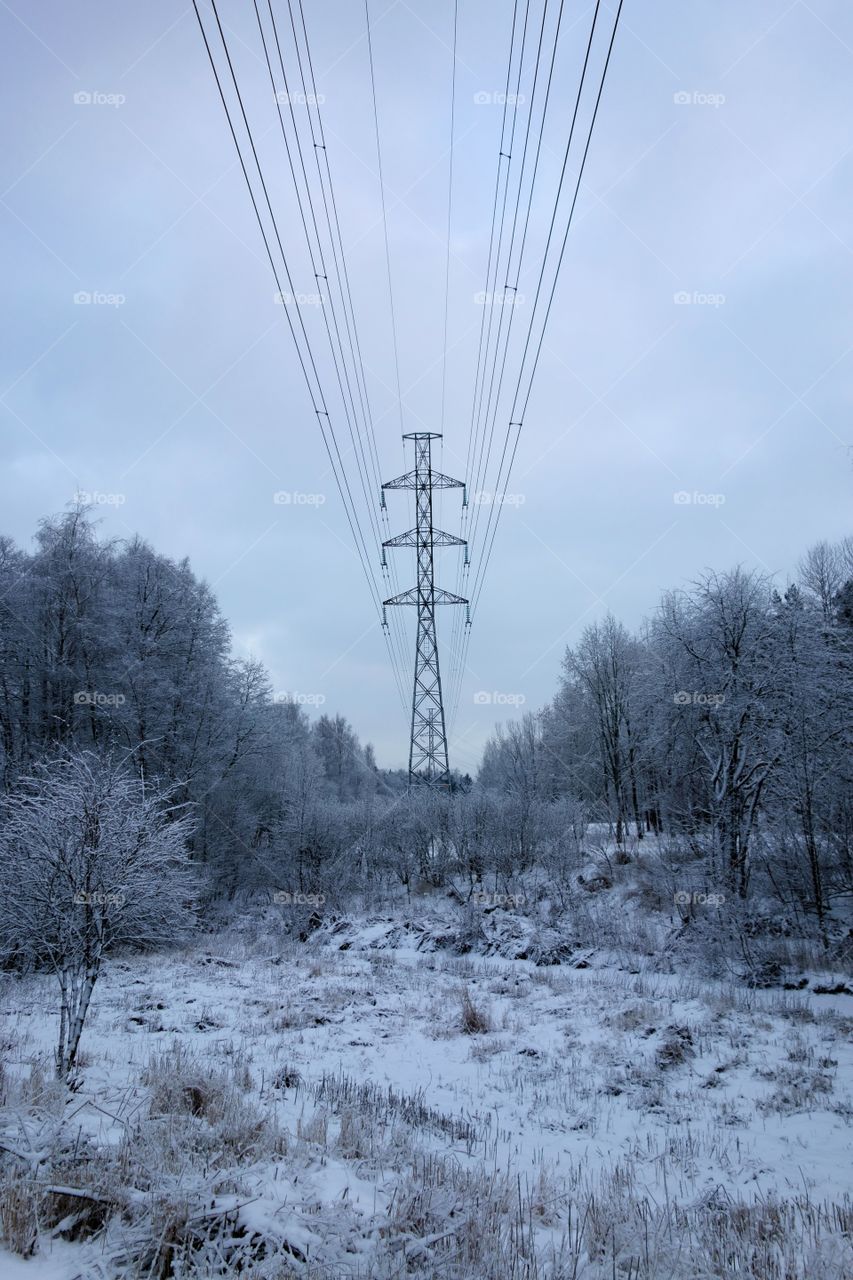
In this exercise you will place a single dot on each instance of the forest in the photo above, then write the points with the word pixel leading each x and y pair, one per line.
pixel 721 728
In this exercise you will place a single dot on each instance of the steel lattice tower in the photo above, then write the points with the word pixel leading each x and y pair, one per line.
pixel 428 747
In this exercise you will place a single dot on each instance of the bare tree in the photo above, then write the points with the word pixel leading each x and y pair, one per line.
pixel 90 859
pixel 606 664
pixel 813 714
pixel 822 574
pixel 722 644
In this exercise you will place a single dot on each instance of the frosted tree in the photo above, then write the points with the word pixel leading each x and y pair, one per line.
pixel 518 769
pixel 606 664
pixel 719 644
pixel 822 575
pixel 90 860
pixel 348 767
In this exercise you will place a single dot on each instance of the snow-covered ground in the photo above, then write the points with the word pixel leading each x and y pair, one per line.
pixel 369 1103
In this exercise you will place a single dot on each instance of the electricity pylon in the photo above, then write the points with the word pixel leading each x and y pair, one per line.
pixel 428 746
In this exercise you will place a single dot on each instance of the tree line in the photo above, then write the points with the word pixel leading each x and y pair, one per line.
pixel 145 770
pixel 111 648
pixel 723 727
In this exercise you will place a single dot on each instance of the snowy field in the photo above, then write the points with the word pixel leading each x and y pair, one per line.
pixel 369 1103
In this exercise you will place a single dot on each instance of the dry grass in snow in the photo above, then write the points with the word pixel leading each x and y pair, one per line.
pixel 254 1107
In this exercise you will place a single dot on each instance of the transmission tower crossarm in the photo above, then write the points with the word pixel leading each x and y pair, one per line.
pixel 410 481
pixel 413 596
pixel 439 539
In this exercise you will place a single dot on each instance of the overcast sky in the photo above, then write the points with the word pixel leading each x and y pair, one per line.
pixel 720 170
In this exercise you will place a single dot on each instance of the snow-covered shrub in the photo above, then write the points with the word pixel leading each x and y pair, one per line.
pixel 180 1085
pixel 675 1048
pixel 218 1115
pixel 474 1019
pixel 19 1223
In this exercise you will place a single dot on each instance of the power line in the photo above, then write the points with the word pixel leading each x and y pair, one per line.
pixel 486 452
pixel 519 421
pixel 495 497
pixel 447 263
pixel 341 275
pixel 321 275
pixel 316 395
pixel 501 156
pixel 516 417
pixel 514 288
pixel 357 356
pixel 355 345
pixel 384 212
pixel 491 298
pixel 449 214
pixel 343 338
pixel 471 434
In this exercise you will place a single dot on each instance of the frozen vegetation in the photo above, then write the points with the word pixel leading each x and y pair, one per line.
pixel 266 1012
pixel 398 1096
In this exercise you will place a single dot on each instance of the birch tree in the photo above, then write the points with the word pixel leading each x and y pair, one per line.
pixel 90 860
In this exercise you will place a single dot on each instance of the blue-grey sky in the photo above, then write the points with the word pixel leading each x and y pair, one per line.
pixel 720 172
